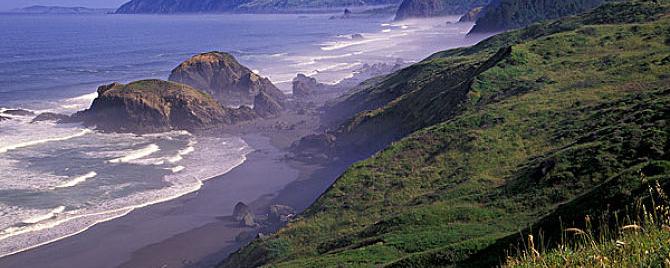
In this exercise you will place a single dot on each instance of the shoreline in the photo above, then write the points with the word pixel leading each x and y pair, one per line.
pixel 120 241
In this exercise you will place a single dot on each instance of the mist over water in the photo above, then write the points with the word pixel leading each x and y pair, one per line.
pixel 57 180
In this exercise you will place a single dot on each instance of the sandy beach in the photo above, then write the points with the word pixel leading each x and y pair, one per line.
pixel 191 231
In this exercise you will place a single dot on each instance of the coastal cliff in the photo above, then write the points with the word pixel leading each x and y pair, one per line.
pixel 155 106
pixel 222 76
pixel 432 8
pixel 502 15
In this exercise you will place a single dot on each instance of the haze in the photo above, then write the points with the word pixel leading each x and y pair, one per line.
pixel 11 4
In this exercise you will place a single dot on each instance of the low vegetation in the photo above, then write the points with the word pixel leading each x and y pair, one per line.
pixel 640 242
pixel 556 122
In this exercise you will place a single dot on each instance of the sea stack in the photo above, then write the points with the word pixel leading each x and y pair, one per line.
pixel 222 76
pixel 155 106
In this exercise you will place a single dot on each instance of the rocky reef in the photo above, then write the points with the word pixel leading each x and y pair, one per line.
pixel 222 76
pixel 154 106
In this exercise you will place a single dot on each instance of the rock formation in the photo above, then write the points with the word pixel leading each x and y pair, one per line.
pixel 267 106
pixel 240 210
pixel 305 86
pixel 280 214
pixel 154 106
pixel 222 76
pixel 472 15
pixel 50 117
pixel 316 147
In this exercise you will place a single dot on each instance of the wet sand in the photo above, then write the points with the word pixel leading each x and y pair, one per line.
pixel 190 231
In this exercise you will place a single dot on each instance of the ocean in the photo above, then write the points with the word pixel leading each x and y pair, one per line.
pixel 57 180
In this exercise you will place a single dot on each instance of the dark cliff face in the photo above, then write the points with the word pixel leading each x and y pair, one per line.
pixel 220 75
pixel 502 15
pixel 432 8
pixel 154 106
pixel 267 106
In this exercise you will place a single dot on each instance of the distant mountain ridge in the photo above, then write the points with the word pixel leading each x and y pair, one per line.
pixel 224 6
pixel 61 10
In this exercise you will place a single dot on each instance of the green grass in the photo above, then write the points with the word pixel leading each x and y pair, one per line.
pixel 554 126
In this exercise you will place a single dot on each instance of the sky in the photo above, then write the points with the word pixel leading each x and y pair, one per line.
pixel 11 4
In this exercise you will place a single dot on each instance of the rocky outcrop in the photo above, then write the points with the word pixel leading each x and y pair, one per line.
pixel 154 106
pixel 240 210
pixel 305 86
pixel 50 117
pixel 472 15
pixel 222 76
pixel 432 8
pixel 280 214
pixel 314 148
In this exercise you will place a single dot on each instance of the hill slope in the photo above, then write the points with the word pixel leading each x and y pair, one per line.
pixel 559 120
pixel 501 15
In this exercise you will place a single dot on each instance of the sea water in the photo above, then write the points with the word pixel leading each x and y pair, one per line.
pixel 57 180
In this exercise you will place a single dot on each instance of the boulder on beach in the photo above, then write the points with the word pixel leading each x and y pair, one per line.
pixel 248 220
pixel 280 214
pixel 357 36
pixel 314 148
pixel 240 210
pixel 222 76
pixel 50 117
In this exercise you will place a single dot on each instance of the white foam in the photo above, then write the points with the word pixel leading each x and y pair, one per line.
pixel 177 169
pixel 137 154
pixel 39 218
pixel 78 180
pixel 62 224
pixel 15 146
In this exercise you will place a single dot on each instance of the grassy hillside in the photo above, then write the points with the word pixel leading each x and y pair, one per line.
pixel 552 123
